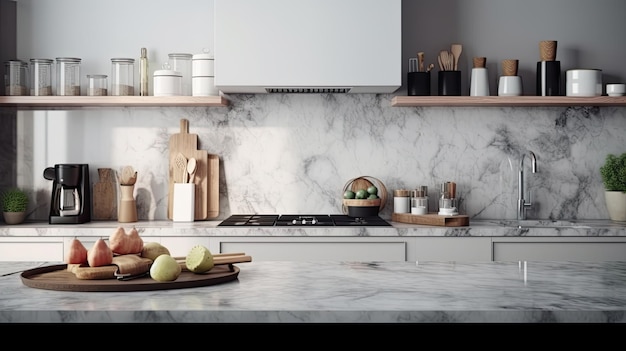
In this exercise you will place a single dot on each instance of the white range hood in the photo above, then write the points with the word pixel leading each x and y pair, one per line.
pixel 308 46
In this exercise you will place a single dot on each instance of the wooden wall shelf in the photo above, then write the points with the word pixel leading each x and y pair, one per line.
pixel 504 101
pixel 64 102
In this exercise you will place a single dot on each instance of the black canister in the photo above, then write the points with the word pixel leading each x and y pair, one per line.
pixel 418 83
pixel 449 83
pixel 548 78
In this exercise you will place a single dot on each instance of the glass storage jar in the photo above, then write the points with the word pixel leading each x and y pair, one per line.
pixel 68 76
pixel 182 63
pixel 97 85
pixel 41 77
pixel 122 76
pixel 16 78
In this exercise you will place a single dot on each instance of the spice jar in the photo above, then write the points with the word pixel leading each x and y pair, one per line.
pixel 419 200
pixel 401 201
pixel 68 76
pixel 122 76
pixel 97 85
pixel 41 77
pixel 16 78
pixel 447 199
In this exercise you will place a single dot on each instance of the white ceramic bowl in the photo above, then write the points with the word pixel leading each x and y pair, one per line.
pixel 616 89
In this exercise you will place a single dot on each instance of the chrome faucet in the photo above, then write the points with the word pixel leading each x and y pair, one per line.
pixel 522 205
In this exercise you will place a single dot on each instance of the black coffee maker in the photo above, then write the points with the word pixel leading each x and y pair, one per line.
pixel 71 196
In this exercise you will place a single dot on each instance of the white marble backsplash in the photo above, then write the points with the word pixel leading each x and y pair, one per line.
pixel 293 153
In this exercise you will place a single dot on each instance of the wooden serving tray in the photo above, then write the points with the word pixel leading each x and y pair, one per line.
pixel 431 219
pixel 57 277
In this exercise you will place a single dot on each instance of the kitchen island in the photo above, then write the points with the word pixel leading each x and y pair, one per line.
pixel 345 292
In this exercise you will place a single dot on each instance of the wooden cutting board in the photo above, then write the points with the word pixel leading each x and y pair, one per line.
pixel 431 219
pixel 105 195
pixel 187 144
pixel 214 186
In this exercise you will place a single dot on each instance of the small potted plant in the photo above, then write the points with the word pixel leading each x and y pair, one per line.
pixel 613 174
pixel 14 204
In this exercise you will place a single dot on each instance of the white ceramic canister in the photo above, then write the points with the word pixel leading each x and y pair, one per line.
pixel 168 83
pixel 401 201
pixel 583 82
pixel 203 75
pixel 202 65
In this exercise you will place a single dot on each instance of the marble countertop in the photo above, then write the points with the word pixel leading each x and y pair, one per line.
pixel 346 292
pixel 476 228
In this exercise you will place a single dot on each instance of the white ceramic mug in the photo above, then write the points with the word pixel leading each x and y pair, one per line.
pixel 479 82
pixel 510 86
pixel 583 82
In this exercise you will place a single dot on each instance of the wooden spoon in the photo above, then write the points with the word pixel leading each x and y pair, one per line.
pixel 191 169
pixel 456 50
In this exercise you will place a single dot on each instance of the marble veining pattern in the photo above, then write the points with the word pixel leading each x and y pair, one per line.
pixel 363 292
pixel 477 228
pixel 293 153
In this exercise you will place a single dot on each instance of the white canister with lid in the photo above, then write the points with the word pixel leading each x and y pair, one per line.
pixel 168 82
pixel 203 75
pixel 202 65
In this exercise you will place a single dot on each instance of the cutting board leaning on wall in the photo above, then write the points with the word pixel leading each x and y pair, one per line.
pixel 206 176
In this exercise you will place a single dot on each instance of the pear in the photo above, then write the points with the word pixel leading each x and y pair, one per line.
pixel 100 254
pixel 77 253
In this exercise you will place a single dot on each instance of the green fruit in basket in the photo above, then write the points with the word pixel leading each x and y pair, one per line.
pixel 361 194
pixel 372 190
pixel 199 259
pixel 372 197
pixel 349 194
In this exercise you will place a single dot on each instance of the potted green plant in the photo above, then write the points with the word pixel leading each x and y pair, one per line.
pixel 613 174
pixel 14 204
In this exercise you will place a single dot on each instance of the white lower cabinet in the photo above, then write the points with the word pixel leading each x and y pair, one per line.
pixel 559 249
pixel 475 249
pixel 325 249
pixel 35 249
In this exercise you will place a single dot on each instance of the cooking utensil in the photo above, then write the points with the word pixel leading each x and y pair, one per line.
pixel 412 64
pixel 191 169
pixel 127 174
pixel 420 60
pixel 180 162
pixel 456 50
pixel 440 60
pixel 187 144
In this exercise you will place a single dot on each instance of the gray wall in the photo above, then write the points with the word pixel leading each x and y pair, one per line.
pixel 590 34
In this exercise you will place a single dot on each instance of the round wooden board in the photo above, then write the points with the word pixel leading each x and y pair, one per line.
pixel 57 277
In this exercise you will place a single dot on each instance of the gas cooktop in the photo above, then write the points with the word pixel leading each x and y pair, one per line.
pixel 300 220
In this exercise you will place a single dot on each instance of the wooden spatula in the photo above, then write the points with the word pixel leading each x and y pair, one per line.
pixel 456 50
